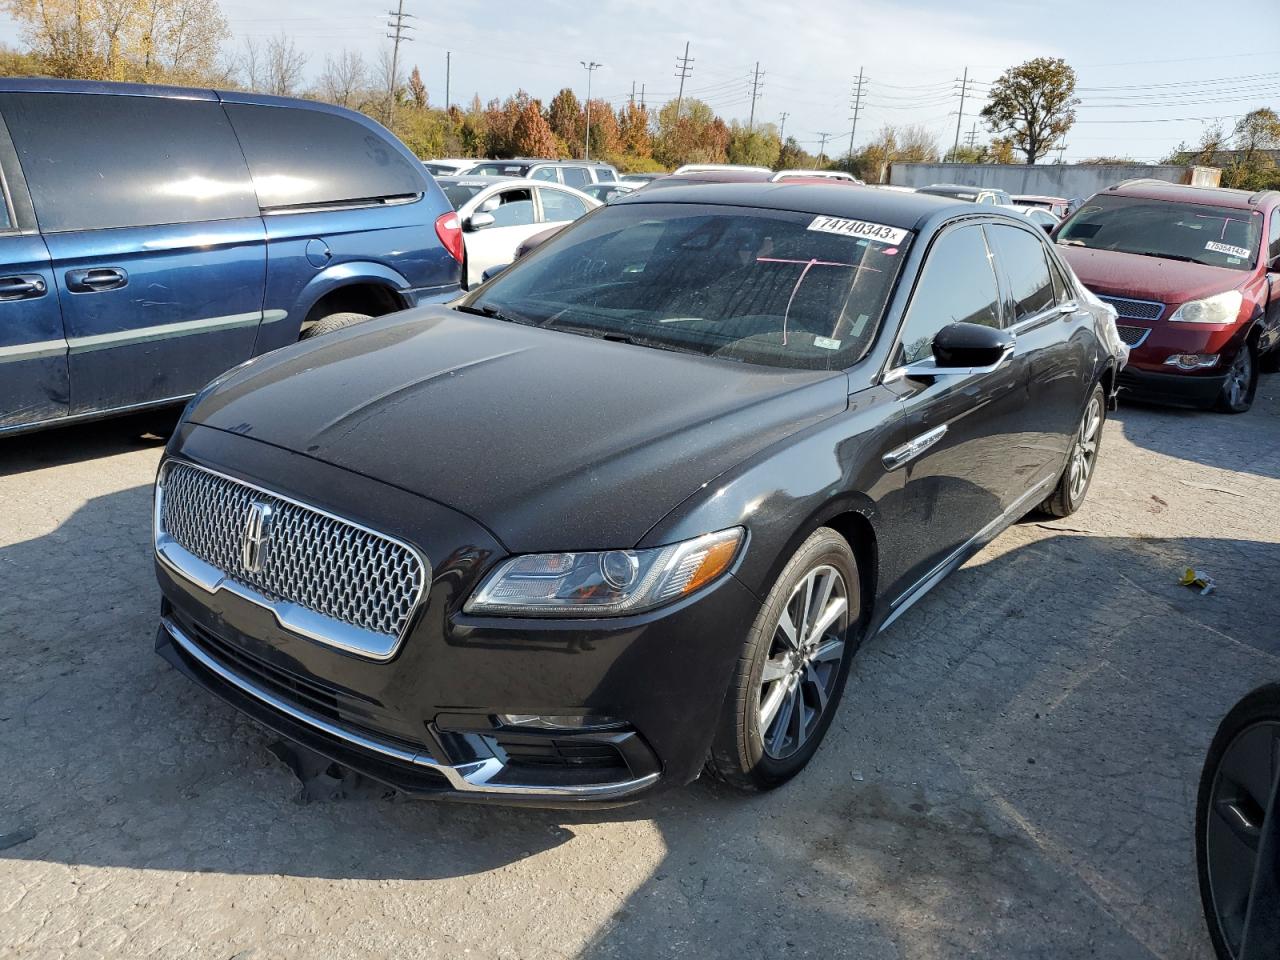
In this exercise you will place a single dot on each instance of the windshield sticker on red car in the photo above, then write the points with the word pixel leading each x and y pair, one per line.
pixel 1228 249
pixel 859 228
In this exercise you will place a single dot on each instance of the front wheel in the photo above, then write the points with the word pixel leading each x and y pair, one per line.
pixel 1082 459
pixel 332 323
pixel 1241 384
pixel 1236 787
pixel 792 670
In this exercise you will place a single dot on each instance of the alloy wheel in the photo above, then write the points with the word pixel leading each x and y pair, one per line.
pixel 1084 453
pixel 1238 378
pixel 1233 829
pixel 804 661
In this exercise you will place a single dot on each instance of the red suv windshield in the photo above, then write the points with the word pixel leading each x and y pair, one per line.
pixel 1194 232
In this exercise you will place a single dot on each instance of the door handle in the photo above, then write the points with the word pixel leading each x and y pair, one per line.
pixel 22 287
pixel 913 448
pixel 96 279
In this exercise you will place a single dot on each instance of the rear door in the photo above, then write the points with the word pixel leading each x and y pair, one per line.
pixel 558 207
pixel 960 432
pixel 33 350
pixel 156 245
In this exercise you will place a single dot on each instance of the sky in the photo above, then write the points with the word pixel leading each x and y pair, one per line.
pixel 1150 75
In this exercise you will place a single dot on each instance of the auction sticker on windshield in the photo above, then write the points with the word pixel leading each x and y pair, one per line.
pixel 1228 249
pixel 859 228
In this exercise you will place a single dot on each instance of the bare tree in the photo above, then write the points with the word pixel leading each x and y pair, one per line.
pixel 343 80
pixel 276 68
pixel 390 79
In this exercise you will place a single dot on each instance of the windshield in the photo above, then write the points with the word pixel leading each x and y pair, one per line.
pixel 1199 233
pixel 459 193
pixel 761 286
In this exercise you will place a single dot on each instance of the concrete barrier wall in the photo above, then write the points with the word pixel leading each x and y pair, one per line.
pixel 1066 180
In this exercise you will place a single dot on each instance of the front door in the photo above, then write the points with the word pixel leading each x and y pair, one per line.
pixel 515 220
pixel 157 247
pixel 33 351
pixel 960 432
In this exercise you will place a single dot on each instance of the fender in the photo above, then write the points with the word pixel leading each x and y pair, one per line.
pixel 285 330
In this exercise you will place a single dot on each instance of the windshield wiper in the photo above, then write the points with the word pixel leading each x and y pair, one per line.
pixel 1165 256
pixel 493 313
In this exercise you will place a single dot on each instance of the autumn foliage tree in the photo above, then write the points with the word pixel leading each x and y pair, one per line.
pixel 1033 105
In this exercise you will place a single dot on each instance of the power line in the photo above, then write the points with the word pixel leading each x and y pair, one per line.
pixel 684 67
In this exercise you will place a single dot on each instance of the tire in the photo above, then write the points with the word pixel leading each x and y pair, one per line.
pixel 1070 493
pixel 332 323
pixel 1241 384
pixel 1225 879
pixel 752 755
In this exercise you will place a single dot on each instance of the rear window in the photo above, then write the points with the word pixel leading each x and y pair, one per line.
pixel 301 158
pixel 1192 232
pixel 605 175
pixel 94 161
pixel 761 286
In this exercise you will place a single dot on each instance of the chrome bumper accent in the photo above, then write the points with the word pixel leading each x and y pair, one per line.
pixel 474 777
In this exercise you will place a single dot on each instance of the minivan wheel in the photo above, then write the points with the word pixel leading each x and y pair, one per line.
pixel 1241 384
pixel 333 322
pixel 1235 789
pixel 1082 459
pixel 794 663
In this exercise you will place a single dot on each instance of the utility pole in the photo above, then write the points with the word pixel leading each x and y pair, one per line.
pixel 448 72
pixel 683 69
pixel 642 96
pixel 971 138
pixel 782 127
pixel 857 110
pixel 633 93
pixel 822 150
pixel 1062 149
pixel 398 27
pixel 755 95
pixel 590 68
pixel 964 89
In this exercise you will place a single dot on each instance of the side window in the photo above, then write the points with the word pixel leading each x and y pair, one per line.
pixel 1022 257
pixel 605 175
pixel 957 284
pixel 514 209
pixel 94 161
pixel 545 173
pixel 576 176
pixel 301 157
pixel 558 205
pixel 1274 249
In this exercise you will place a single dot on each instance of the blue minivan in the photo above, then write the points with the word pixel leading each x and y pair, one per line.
pixel 152 237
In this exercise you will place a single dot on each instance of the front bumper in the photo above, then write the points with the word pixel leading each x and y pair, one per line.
pixel 1176 388
pixel 422 720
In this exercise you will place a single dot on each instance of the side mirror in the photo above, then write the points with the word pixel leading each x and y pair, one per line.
pixel 493 272
pixel 971 346
pixel 478 221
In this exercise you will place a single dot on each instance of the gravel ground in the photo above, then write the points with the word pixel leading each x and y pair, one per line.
pixel 1012 772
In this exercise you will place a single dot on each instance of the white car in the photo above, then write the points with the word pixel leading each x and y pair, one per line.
pixel 718 168
pixel 449 166
pixel 782 175
pixel 1037 215
pixel 500 213
pixel 605 192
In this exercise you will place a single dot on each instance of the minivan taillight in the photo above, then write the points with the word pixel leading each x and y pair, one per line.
pixel 449 230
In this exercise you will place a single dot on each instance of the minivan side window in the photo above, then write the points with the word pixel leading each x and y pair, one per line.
pixel 605 175
pixel 545 173
pixel 958 284
pixel 94 161
pixel 1275 234
pixel 300 158
pixel 1022 256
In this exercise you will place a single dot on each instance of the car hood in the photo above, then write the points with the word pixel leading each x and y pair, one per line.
pixel 1116 274
pixel 551 440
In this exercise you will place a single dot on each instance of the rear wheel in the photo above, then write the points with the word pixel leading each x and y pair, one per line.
pixel 1235 789
pixel 332 323
pixel 1073 485
pixel 1241 384
pixel 793 667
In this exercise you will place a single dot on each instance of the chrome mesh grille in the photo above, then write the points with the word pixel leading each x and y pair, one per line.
pixel 316 561
pixel 1132 336
pixel 1135 309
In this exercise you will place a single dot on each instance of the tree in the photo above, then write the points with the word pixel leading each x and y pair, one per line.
pixel 916 145
pixel 564 116
pixel 531 134
pixel 633 131
pixel 275 69
pixel 792 156
pixel 1252 166
pixel 605 138
pixel 758 147
pixel 1033 104
pixel 417 90
pixel 343 80
pixel 697 136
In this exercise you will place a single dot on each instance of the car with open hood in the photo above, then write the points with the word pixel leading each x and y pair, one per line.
pixel 626 512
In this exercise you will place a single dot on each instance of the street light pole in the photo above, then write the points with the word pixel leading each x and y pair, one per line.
pixel 590 68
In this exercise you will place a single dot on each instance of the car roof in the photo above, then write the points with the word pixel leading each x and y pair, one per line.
pixel 1039 196
pixel 911 211
pixel 1163 190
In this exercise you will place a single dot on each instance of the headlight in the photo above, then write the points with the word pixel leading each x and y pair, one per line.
pixel 607 583
pixel 1220 308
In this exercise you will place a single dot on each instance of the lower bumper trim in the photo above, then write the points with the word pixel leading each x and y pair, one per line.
pixel 475 778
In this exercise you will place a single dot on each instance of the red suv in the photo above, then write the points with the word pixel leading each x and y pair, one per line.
pixel 1194 274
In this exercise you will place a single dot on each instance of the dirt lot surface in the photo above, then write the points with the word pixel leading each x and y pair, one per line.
pixel 1012 773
